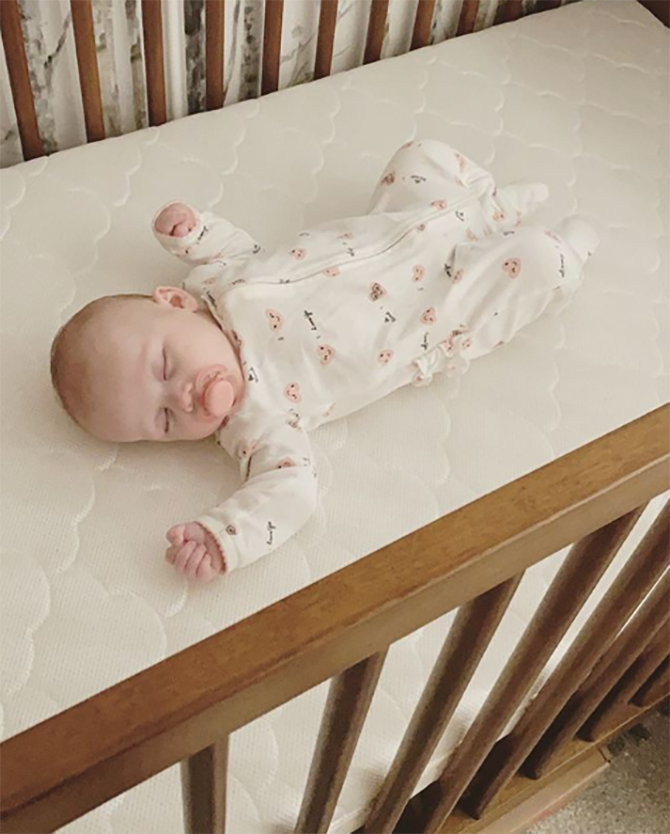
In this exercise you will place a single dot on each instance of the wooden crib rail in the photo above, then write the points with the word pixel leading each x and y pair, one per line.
pixel 504 759
pixel 184 708
pixel 578 576
pixel 154 56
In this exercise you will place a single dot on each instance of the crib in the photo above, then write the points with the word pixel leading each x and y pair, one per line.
pixel 454 664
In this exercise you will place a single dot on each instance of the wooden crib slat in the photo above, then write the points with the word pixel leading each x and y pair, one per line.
pixel 605 677
pixel 343 718
pixel 608 713
pixel 326 39
pixel 585 564
pixel 19 79
pixel 204 783
pixel 659 8
pixel 656 687
pixel 631 585
pixel 512 10
pixel 272 45
pixel 376 26
pixel 214 41
pixel 422 24
pixel 463 649
pixel 152 24
pixel 87 62
pixel 468 17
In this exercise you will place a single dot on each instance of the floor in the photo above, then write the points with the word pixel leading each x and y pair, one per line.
pixel 632 796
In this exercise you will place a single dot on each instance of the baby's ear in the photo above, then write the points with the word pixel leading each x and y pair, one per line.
pixel 175 297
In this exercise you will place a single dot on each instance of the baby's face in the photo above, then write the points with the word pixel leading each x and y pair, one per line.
pixel 163 370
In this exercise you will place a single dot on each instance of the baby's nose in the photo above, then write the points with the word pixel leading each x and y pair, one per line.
pixel 184 397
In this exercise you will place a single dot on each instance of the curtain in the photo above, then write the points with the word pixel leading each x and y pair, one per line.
pixel 50 49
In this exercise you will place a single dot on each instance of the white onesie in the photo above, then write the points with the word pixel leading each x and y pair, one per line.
pixel 438 273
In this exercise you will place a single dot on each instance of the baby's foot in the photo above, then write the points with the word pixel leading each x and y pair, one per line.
pixel 581 236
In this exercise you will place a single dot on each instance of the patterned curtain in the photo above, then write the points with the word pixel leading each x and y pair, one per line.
pixel 47 27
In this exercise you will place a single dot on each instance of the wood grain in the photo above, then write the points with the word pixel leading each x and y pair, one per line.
pixel 214 45
pixel 204 787
pixel 628 589
pixel 137 728
pixel 522 789
pixel 464 647
pixel 468 17
pixel 422 24
pixel 376 26
pixel 87 63
pixel 512 10
pixel 641 630
pixel 574 582
pixel 274 10
pixel 326 38
pixel 608 713
pixel 525 801
pixel 19 79
pixel 656 687
pixel 154 61
pixel 659 8
pixel 615 650
pixel 343 718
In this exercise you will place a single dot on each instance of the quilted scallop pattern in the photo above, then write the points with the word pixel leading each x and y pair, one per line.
pixel 576 97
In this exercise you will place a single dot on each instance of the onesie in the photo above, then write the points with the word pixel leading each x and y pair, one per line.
pixel 438 272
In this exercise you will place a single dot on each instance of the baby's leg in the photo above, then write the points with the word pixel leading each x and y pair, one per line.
pixel 424 172
pixel 505 282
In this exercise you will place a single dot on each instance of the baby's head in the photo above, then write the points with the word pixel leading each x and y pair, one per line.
pixel 146 367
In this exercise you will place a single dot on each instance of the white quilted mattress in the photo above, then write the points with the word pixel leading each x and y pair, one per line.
pixel 576 97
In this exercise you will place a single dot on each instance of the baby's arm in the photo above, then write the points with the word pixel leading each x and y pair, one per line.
pixel 430 172
pixel 278 497
pixel 200 238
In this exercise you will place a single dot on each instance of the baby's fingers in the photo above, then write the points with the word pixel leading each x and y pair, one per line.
pixel 195 558
pixel 175 535
pixel 183 555
pixel 171 553
pixel 206 571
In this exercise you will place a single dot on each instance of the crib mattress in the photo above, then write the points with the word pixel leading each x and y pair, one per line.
pixel 575 97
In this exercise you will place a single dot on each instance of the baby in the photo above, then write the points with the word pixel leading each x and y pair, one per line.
pixel 259 348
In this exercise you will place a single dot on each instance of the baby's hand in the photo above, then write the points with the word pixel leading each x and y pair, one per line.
pixel 194 551
pixel 176 220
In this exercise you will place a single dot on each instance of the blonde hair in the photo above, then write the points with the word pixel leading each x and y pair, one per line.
pixel 70 364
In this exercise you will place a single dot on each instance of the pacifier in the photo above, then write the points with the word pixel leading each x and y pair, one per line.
pixel 218 397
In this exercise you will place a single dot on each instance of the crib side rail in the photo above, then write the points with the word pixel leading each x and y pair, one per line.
pixel 183 708
pixel 155 58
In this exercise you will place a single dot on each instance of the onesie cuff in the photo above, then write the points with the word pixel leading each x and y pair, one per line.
pixel 223 535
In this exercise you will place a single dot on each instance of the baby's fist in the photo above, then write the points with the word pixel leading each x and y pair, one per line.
pixel 194 551
pixel 176 220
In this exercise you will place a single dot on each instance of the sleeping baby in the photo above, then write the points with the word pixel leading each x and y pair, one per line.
pixel 258 348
